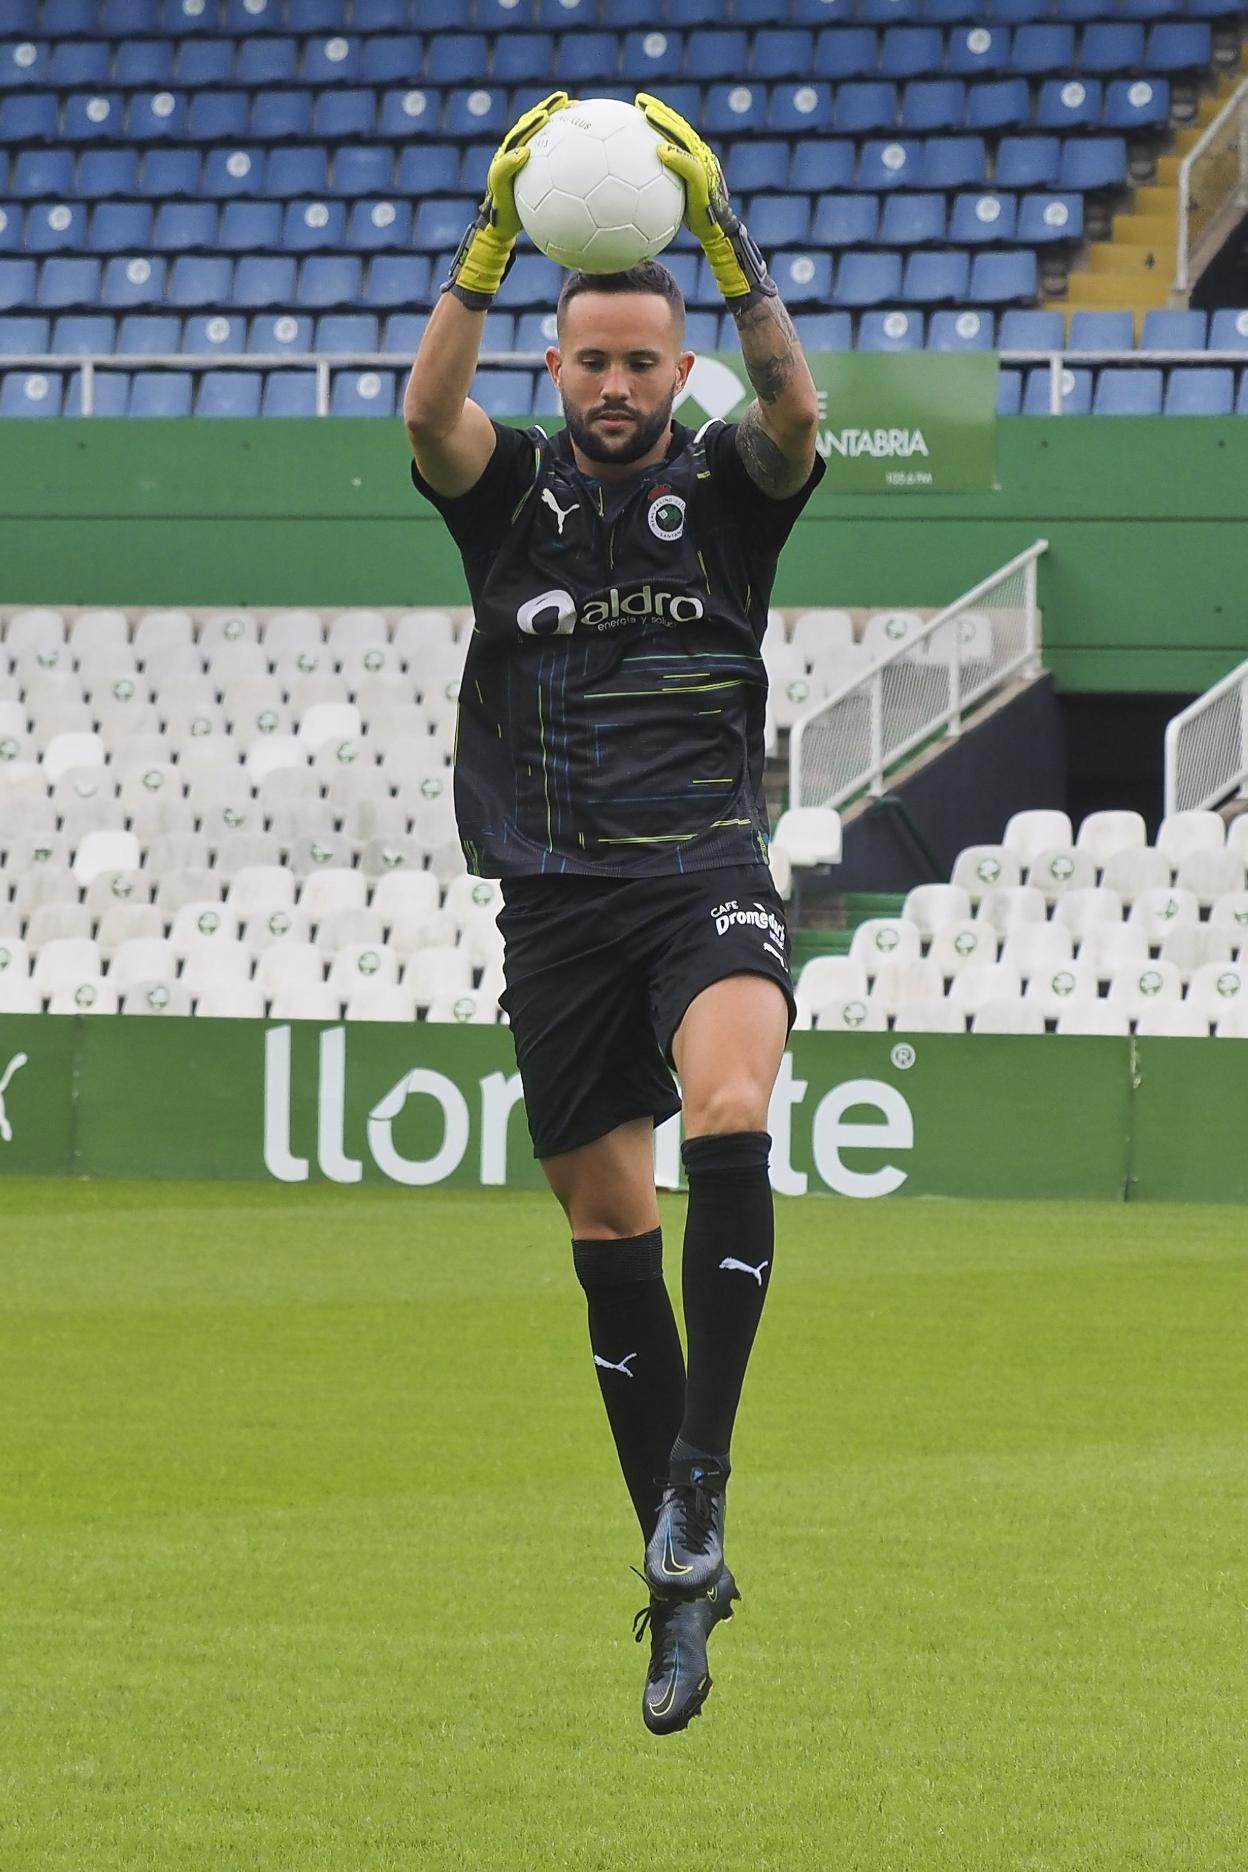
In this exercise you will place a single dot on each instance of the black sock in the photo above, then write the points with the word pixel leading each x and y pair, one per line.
pixel 729 1240
pixel 637 1356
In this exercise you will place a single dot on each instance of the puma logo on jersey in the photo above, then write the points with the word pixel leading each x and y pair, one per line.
pixel 560 513
pixel 621 1367
pixel 744 1267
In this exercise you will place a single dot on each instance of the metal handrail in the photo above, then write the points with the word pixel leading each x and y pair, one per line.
pixel 1025 662
pixel 1236 679
pixel 1237 101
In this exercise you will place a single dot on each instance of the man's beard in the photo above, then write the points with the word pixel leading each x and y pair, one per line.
pixel 619 448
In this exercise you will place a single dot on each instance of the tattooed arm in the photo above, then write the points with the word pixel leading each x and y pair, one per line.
pixel 776 436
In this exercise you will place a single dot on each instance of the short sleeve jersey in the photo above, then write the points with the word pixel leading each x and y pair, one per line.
pixel 611 710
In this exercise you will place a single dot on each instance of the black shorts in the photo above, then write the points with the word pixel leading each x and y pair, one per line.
pixel 599 974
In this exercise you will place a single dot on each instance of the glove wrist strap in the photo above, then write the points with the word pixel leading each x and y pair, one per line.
pixel 481 263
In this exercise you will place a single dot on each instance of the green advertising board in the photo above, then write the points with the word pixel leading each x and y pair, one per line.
pixel 861 1116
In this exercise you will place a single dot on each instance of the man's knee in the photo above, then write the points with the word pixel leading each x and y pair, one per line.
pixel 737 1105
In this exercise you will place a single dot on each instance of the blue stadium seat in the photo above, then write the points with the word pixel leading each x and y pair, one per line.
pixel 1241 398
pixel 362 393
pixel 706 13
pixel 311 16
pixel 894 163
pixel 120 227
pixel 1179 46
pixel 1045 219
pixel 820 331
pixel 868 279
pixel 858 109
pixel 164 172
pixel 1212 9
pixel 260 280
pixel 403 332
pixel 1068 104
pixel 333 61
pixel 779 220
pixel 890 331
pixel 845 221
pixel 551 13
pixel 912 221
pixel 277 114
pixel 505 392
pixel 911 52
pixel 398 58
pixel 1031 331
pixel 414 111
pixel 301 169
pixel 954 162
pixel 850 52
pixel 535 330
pixel 1102 331
pixel 346 331
pixel 1146 9
pixel 1028 162
pixel 214 333
pixel 998 278
pixel 250 16
pixel 889 12
pixel 128 18
pixel 1080 10
pixel 1228 331
pixel 30 393
pixel 229 393
pixel 379 224
pixel 160 393
pixel 248 227
pixel 132 280
pixel 797 110
pixel 532 281
pixel 63 282
pixel 478 111
pixel 733 108
pixel 1017 12
pixel 218 116
pixel 780 52
pixel 1093 163
pixel 935 104
pixel 183 226
pixel 701 331
pixel 63 19
pixel 201 280
pixel 338 115
pixel 24 334
pixel 978 51
pixel 457 59
pixel 101 172
pixel 48 172
pixel 55 229
pixel 817 164
pixel 960 331
pixel 327 280
pixel 312 227
pixel 1047 46
pixel 983 220
pixel 1121 391
pixel 31 117
pixel 439 222
pixel 521 57
pixel 591 56
pixel 1193 391
pixel 73 65
pixel 765 165
pixel 88 117
pixel 285 333
pixel 398 281
pixel 1076 392
pixel 156 117
pixel 1001 104
pixel 199 62
pixel 25 65
pixel 80 334
pixel 1009 392
pixel 1137 104
pixel 801 277
pixel 264 61
pixel 424 169
pixel 1174 331
pixel 651 58
pixel 148 334
pixel 802 12
pixel 17 282
pixel 375 16
pixel 182 17
pixel 936 278
pixel 1111 46
pixel 10 229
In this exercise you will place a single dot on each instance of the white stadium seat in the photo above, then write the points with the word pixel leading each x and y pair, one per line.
pixel 1103 833
pixel 67 751
pixel 57 922
pixel 67 962
pixel 1135 871
pixel 1237 834
pixel 1233 1024
pixel 293 630
pixel 361 965
pixel 1078 911
pixel 1231 913
pixel 305 1001
pixel 480 937
pixel 380 1001
pixel 826 980
pixel 1109 946
pixel 1174 1020
pixel 326 723
pixel 14 959
pixel 981 868
pixel 897 982
pixel 260 888
pixel 1156 911
pixel 1005 906
pixel 1054 990
pixel 856 1015
pixel 884 939
pixel 223 627
pixel 106 851
pixel 468 1008
pixel 886 630
pixel 1008 1017
pixel 213 964
pixel 981 982
pixel 1031 947
pixel 1134 989
pixel 336 888
pixel 231 1000
pixel 822 629
pixel 1217 987
pixel 20 995
pixel 1210 874
pixel 931 905
pixel 36 629
pixel 810 834
pixel 1182 833
pixel 1093 1017
pixel 124 923
pixel 929 1014
pixel 968 638
pixel 344 929
pixel 1057 870
pixel 1027 834
pixel 289 964
pixel 143 959
pixel 434 973
pixel 1192 946
pixel 956 946
pixel 418 632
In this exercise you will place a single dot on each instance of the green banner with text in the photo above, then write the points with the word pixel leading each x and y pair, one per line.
pixel 862 1116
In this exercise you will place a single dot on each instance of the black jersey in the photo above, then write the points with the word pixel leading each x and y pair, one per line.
pixel 613 695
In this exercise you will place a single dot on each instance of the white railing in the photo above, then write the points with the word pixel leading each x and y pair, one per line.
pixel 848 744
pixel 1207 746
pixel 1213 190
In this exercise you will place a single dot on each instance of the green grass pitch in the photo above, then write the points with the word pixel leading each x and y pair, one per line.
pixel 315 1554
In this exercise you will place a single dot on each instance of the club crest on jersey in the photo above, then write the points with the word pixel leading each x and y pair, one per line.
pixel 665 515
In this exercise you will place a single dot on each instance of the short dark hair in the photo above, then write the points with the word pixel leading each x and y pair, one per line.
pixel 648 276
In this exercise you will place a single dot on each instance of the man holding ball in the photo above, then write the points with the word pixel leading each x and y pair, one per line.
pixel 609 765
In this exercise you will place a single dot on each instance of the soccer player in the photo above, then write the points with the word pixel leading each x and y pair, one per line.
pixel 608 769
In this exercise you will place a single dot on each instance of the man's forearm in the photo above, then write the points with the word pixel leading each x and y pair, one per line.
pixel 777 365
pixel 445 366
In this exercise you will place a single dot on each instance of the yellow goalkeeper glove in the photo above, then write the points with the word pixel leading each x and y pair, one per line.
pixel 739 268
pixel 486 251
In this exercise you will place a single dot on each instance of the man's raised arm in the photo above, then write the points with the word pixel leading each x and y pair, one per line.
pixel 452 438
pixel 776 436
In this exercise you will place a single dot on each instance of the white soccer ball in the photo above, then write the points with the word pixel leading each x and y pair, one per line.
pixel 593 194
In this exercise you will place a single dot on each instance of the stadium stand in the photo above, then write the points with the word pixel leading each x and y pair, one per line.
pixel 281 180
